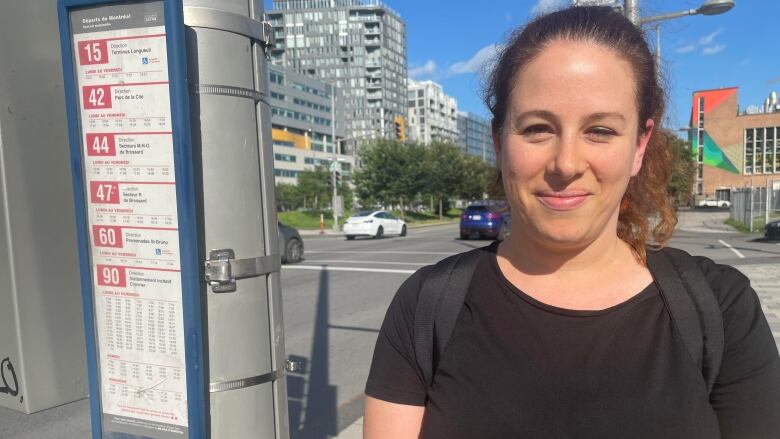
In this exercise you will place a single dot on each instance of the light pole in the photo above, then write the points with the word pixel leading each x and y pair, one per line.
pixel 709 7
pixel 335 156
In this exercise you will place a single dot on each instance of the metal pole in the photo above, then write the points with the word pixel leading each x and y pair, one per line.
pixel 768 201
pixel 750 219
pixel 335 157
pixel 630 10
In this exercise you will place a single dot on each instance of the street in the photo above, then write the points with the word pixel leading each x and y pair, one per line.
pixel 335 300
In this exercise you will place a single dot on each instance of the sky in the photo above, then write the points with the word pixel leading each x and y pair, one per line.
pixel 449 42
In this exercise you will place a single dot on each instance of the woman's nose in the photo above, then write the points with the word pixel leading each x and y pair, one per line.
pixel 568 160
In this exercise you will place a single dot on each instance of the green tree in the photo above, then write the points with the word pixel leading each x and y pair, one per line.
pixel 680 185
pixel 314 186
pixel 391 173
pixel 288 197
pixel 444 165
pixel 475 178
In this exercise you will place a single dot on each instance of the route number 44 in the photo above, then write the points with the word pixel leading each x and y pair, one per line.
pixel 100 144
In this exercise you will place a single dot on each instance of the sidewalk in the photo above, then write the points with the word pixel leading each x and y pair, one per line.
pixel 765 279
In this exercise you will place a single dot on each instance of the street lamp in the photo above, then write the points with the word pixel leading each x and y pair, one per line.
pixel 709 7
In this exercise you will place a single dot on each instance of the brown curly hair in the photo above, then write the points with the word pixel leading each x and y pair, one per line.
pixel 646 197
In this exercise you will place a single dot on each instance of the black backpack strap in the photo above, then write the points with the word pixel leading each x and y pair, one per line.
pixel 441 297
pixel 693 308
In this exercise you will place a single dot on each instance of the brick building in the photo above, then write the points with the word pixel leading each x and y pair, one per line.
pixel 733 148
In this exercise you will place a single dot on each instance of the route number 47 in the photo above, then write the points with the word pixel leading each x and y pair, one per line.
pixel 104 193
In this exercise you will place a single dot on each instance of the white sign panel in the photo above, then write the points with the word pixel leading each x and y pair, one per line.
pixel 125 116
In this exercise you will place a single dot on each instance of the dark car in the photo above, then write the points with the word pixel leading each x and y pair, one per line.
pixel 485 220
pixel 290 244
pixel 772 230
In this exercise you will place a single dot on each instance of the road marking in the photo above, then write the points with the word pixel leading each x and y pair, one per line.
pixel 328 268
pixel 323 261
pixel 736 252
pixel 387 252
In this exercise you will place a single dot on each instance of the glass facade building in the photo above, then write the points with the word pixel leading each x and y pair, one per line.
pixel 474 135
pixel 357 45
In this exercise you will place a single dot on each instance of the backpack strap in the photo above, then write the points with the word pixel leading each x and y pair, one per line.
pixel 693 307
pixel 441 297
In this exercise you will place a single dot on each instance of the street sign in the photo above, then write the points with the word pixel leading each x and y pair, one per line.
pixel 128 119
pixel 333 166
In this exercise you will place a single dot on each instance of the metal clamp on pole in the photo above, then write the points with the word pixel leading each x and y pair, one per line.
pixel 222 269
pixel 259 31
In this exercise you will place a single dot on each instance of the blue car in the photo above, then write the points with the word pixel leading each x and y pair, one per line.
pixel 484 220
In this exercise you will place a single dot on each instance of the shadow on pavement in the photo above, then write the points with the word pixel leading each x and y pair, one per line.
pixel 312 405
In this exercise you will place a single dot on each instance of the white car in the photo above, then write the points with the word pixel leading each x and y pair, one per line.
pixel 711 202
pixel 376 223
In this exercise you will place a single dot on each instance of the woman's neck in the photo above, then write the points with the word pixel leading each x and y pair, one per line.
pixel 532 256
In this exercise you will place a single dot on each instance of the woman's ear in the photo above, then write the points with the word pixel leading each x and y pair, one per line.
pixel 641 146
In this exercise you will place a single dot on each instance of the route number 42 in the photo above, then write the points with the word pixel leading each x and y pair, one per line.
pixel 97 97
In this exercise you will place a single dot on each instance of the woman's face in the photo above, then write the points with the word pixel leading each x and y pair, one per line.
pixel 570 143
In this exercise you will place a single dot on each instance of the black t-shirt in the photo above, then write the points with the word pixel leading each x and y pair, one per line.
pixel 518 368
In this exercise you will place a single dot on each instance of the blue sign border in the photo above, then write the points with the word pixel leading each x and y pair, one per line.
pixel 185 195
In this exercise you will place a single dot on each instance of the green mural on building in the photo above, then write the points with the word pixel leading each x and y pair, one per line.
pixel 713 155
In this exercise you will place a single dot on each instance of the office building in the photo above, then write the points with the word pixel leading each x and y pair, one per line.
pixel 358 45
pixel 475 136
pixel 733 148
pixel 431 115
pixel 301 118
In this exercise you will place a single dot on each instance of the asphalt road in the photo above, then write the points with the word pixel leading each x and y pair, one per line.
pixel 334 303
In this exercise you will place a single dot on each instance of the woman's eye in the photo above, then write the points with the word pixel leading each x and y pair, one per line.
pixel 536 130
pixel 601 133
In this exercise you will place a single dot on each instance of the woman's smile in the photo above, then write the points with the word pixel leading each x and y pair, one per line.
pixel 563 200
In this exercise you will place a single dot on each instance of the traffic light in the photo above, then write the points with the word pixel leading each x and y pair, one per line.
pixel 400 128
pixel 338 177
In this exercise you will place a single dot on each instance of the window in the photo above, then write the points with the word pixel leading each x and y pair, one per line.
pixel 285 173
pixel 277 78
pixel 283 143
pixel 285 158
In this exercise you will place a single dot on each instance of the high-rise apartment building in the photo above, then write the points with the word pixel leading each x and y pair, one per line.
pixel 474 135
pixel 432 115
pixel 358 45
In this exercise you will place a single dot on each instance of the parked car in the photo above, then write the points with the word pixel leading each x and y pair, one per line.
pixel 772 230
pixel 290 244
pixel 711 202
pixel 487 221
pixel 376 223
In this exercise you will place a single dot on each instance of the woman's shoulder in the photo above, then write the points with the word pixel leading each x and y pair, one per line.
pixel 408 293
pixel 729 285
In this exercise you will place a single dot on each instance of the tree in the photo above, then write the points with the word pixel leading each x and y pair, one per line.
pixel 315 186
pixel 391 172
pixel 444 166
pixel 288 197
pixel 475 178
pixel 680 184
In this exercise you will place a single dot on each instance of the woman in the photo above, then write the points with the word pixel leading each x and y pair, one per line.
pixel 563 332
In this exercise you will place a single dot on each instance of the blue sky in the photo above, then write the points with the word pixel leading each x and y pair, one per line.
pixel 448 42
